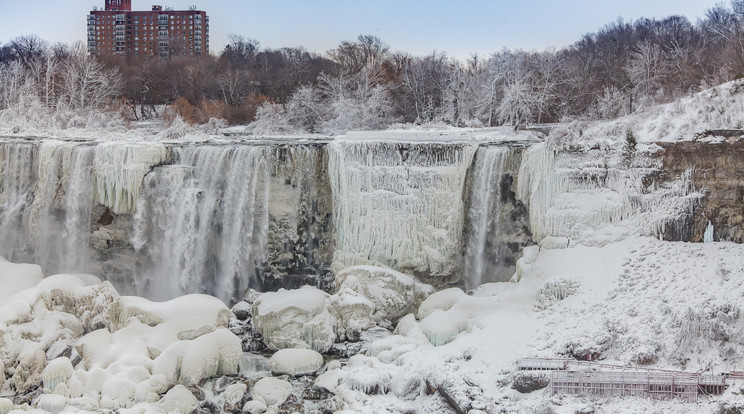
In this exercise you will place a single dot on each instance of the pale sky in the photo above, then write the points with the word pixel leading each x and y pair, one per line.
pixel 456 27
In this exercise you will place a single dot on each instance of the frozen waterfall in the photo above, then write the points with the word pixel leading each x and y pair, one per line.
pixel 399 204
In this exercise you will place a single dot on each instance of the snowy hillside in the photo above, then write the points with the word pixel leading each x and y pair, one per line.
pixel 688 118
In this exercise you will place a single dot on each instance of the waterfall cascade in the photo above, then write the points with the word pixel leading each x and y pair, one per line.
pixel 162 220
pixel 484 214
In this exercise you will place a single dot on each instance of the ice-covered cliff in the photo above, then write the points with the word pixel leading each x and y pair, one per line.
pixel 163 219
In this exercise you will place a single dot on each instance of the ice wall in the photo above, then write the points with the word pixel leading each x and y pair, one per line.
pixel 399 204
pixel 595 196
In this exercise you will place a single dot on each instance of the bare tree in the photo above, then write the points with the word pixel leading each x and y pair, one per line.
pixel 367 52
pixel 28 48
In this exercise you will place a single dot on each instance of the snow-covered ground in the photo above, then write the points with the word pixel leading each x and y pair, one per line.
pixel 640 301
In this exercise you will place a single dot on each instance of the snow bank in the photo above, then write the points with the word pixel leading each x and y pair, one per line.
pixel 296 362
pixel 718 108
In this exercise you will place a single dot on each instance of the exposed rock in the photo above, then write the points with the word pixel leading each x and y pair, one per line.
pixel 526 382
pixel 718 170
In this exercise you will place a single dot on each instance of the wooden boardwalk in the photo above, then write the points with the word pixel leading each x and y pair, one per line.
pixel 607 380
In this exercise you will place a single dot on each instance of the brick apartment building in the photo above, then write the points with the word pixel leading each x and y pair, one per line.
pixel 117 30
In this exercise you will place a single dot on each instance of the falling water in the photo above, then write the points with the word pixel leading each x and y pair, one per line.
pixel 18 172
pixel 484 216
pixel 203 221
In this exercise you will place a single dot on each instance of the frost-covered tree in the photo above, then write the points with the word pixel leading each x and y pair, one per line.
pixel 86 83
pixel 355 102
pixel 517 106
pixel 305 109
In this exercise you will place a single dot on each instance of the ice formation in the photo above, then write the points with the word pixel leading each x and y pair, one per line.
pixel 554 291
pixel 272 391
pixel 594 199
pixel 399 204
pixel 296 318
pixel 296 362
pixel 119 169
pixel 708 235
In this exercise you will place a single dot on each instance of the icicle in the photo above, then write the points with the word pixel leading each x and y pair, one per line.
pixel 708 235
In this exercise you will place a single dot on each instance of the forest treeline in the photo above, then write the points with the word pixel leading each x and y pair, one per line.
pixel 362 84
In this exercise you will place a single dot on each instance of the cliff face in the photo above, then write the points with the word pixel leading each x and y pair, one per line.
pixel 718 172
pixel 161 220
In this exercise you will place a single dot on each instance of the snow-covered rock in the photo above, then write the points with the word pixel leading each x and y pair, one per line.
pixel 178 400
pixel 233 396
pixel 296 318
pixel 6 406
pixel 352 312
pixel 328 380
pixel 442 300
pixel 257 406
pixel 392 293
pixel 366 374
pixel 52 403
pixel 57 372
pixel 190 361
pixel 272 391
pixel 28 369
pixel 295 362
